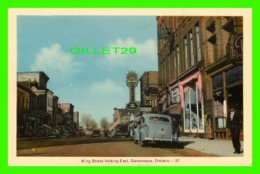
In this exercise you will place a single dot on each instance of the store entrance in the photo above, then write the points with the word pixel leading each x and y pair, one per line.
pixel 235 98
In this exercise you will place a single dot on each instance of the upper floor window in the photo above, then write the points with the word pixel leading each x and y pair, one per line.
pixel 178 60
pixel 191 48
pixel 185 52
pixel 197 27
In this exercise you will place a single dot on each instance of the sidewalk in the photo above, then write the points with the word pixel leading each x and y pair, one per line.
pixel 223 148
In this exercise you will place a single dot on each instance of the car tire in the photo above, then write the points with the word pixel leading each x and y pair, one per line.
pixel 143 143
pixel 135 141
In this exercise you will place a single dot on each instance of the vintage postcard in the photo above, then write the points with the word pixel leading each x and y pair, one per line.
pixel 130 87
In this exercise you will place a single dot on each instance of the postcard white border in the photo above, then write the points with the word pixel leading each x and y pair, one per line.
pixel 246 160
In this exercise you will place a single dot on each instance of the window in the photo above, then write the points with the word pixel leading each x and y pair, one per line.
pixel 234 75
pixel 161 73
pixel 164 71
pixel 163 119
pixel 169 68
pixel 197 27
pixel 49 101
pixel 193 110
pixel 212 39
pixel 186 52
pixel 178 60
pixel 218 81
pixel 191 48
pixel 174 61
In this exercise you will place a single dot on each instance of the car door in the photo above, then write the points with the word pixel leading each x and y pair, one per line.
pixel 143 129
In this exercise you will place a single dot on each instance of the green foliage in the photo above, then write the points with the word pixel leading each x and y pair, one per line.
pixel 88 122
pixel 104 123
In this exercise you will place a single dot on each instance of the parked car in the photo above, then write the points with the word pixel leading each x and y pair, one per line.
pixel 155 128
pixel 122 130
pixel 66 134
pixel 95 133
pixel 54 133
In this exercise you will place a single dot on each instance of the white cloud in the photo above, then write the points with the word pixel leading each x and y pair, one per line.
pixel 144 58
pixel 55 61
pixel 107 86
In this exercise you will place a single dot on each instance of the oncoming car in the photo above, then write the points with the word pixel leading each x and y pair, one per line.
pixel 155 128
pixel 95 133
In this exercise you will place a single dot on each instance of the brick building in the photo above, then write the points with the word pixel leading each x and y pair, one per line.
pixel 32 107
pixel 68 112
pixel 200 71
pixel 76 117
pixel 149 90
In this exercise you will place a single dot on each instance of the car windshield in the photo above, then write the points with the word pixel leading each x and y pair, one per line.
pixel 159 119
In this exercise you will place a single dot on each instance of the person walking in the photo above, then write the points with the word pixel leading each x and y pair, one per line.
pixel 234 125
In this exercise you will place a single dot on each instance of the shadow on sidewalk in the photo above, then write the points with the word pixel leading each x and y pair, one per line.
pixel 176 145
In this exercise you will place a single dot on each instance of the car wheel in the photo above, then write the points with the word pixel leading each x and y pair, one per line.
pixel 135 141
pixel 143 143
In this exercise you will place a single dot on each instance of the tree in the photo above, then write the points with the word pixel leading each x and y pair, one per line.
pixel 94 124
pixel 104 123
pixel 88 122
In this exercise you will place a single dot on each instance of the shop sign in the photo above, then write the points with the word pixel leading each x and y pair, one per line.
pixel 145 109
pixel 40 92
pixel 132 106
pixel 175 96
pixel 238 47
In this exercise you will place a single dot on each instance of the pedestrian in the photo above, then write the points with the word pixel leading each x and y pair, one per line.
pixel 234 125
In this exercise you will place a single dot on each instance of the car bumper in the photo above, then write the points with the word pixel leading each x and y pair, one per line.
pixel 161 139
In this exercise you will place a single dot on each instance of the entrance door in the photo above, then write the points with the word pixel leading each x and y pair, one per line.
pixel 235 97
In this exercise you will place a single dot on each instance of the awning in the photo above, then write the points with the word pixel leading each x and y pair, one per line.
pixel 47 126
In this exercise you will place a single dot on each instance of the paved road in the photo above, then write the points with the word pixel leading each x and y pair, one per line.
pixel 111 149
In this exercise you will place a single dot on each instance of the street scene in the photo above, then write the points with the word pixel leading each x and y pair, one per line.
pixel 130 86
pixel 89 147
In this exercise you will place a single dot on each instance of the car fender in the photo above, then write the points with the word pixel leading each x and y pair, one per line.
pixel 143 134
pixel 136 134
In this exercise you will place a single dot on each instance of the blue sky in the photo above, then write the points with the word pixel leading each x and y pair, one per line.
pixel 94 84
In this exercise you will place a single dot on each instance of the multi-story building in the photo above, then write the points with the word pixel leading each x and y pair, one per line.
pixel 49 106
pixel 76 117
pixel 35 121
pixel 57 114
pixel 223 70
pixel 67 111
pixel 27 122
pixel 149 90
pixel 200 70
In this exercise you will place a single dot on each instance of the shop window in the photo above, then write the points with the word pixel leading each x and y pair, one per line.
pixel 194 121
pixel 218 103
pixel 218 81
pixel 234 75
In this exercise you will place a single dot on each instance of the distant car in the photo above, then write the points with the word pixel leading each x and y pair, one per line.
pixel 54 133
pixel 122 130
pixel 95 133
pixel 65 134
pixel 155 128
pixel 81 133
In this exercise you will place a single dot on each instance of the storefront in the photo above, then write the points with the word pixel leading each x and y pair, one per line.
pixel 227 90
pixel 186 103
